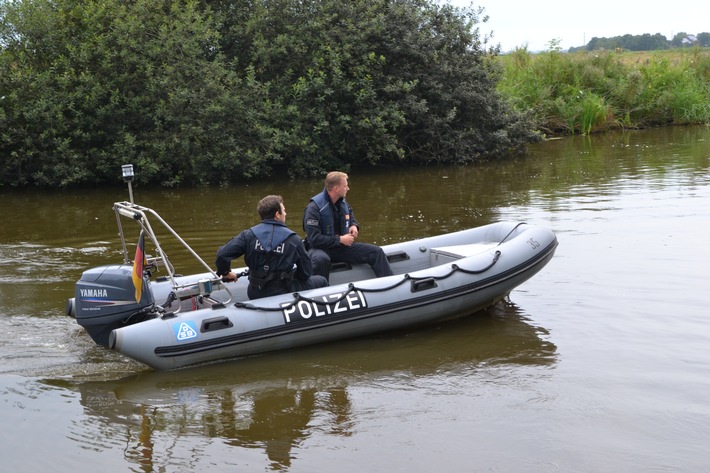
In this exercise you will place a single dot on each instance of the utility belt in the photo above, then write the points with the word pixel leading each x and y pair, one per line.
pixel 283 276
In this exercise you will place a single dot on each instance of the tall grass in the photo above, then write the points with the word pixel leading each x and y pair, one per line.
pixel 587 92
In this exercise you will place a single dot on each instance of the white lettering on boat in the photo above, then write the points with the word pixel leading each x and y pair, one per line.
pixel 330 304
pixel 534 243
pixel 93 293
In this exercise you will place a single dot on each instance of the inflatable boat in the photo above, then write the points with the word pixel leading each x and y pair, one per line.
pixel 173 320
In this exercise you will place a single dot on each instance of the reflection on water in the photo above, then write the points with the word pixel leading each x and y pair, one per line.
pixel 274 402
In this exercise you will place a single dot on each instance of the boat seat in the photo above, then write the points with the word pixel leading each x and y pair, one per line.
pixel 336 266
pixel 394 257
pixel 445 254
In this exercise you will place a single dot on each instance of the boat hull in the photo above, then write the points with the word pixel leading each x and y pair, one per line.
pixel 436 278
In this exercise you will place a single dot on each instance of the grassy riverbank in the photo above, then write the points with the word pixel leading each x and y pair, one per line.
pixel 588 92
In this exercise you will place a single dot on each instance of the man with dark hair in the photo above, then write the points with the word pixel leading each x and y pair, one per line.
pixel 271 250
pixel 331 230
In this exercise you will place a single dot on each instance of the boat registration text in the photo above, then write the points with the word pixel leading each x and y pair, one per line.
pixel 321 306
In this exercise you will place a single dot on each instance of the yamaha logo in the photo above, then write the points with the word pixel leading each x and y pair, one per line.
pixel 94 293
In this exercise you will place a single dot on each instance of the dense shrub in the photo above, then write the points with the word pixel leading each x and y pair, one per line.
pixel 208 92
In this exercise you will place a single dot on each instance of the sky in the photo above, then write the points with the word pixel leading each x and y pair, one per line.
pixel 516 23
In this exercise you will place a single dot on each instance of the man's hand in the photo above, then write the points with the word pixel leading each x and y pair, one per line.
pixel 347 240
pixel 230 276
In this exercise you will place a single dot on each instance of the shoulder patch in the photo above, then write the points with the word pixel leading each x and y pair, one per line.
pixel 311 222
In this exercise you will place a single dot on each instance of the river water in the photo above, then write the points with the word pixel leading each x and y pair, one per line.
pixel 600 363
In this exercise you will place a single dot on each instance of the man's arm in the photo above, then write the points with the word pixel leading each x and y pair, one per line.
pixel 353 220
pixel 304 268
pixel 234 248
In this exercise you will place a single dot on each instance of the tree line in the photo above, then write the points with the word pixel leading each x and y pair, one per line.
pixel 209 92
pixel 646 42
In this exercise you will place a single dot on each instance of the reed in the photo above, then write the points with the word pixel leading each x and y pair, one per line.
pixel 570 93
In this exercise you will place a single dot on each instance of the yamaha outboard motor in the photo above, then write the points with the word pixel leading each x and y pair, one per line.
pixel 105 299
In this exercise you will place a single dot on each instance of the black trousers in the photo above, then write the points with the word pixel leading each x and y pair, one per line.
pixel 358 253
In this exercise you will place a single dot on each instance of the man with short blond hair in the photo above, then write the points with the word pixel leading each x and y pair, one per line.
pixel 331 230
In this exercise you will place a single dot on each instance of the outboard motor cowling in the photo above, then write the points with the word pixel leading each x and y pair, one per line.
pixel 105 299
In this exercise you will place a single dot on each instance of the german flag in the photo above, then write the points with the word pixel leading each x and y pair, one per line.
pixel 139 264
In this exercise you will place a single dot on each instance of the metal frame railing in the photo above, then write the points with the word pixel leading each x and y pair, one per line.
pixel 139 214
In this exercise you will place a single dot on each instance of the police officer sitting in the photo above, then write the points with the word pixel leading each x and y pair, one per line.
pixel 277 260
pixel 331 230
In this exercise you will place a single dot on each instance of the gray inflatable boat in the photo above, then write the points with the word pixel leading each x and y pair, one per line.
pixel 175 321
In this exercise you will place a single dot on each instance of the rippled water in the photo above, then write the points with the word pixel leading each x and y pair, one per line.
pixel 600 363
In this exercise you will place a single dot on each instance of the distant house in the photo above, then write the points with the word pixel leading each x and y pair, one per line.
pixel 690 39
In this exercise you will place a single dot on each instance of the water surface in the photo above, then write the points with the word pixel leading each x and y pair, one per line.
pixel 600 363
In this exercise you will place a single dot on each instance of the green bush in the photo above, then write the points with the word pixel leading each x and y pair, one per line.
pixel 588 92
pixel 213 91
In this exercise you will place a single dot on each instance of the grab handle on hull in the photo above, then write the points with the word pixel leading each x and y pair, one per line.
pixel 423 284
pixel 215 323
pixel 397 256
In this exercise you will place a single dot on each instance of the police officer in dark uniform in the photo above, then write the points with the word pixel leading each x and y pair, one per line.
pixel 271 250
pixel 331 230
